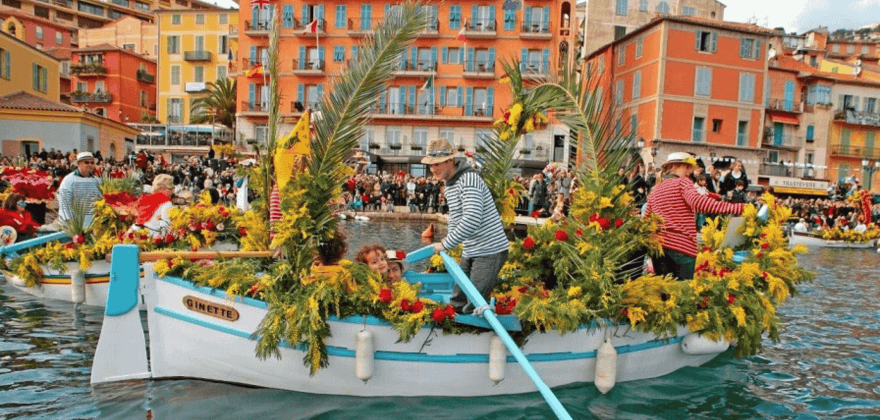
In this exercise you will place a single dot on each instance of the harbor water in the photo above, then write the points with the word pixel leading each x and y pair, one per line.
pixel 826 365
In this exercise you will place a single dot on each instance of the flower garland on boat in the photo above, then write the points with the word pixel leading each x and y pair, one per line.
pixel 851 235
pixel 203 224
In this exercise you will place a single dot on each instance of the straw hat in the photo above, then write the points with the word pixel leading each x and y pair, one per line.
pixel 680 157
pixel 84 155
pixel 439 150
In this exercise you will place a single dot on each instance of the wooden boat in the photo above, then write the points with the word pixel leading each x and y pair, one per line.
pixel 812 240
pixel 198 332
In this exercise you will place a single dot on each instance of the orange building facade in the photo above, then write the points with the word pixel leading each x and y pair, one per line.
pixel 688 84
pixel 115 83
pixel 441 87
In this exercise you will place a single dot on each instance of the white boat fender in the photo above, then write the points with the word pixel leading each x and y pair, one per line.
pixel 364 218
pixel 695 344
pixel 363 355
pixel 342 216
pixel 497 359
pixel 77 285
pixel 606 367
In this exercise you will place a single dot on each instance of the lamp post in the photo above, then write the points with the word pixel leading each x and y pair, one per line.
pixel 870 169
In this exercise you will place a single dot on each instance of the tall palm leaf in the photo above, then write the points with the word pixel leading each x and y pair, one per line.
pixel 218 107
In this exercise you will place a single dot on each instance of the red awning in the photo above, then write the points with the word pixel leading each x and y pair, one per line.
pixel 784 119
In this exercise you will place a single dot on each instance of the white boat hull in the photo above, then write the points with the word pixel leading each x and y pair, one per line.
pixel 56 285
pixel 814 241
pixel 187 343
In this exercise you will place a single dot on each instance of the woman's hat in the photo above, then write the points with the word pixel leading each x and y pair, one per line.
pixel 83 156
pixel 680 157
pixel 439 150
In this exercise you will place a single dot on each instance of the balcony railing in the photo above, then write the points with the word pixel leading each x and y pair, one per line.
pixel 481 25
pixel 421 66
pixel 103 97
pixel 309 65
pixel 257 26
pixel 64 3
pixel 254 106
pixel 88 69
pixel 535 30
pixel 859 118
pixel 145 77
pixel 777 104
pixel 855 151
pixel 531 69
pixel 427 109
pixel 297 106
pixel 784 142
pixel 197 55
pixel 479 66
pixel 302 26
pixel 788 169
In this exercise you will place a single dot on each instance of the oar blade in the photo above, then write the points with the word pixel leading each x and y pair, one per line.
pixel 419 254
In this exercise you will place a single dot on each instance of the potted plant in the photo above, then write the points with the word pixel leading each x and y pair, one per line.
pixel 415 147
pixel 525 151
pixel 461 148
pixel 395 146
pixel 374 145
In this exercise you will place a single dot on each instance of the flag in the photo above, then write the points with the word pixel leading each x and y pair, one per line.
pixel 292 148
pixel 255 72
pixel 429 84
pixel 460 36
pixel 312 27
pixel 261 3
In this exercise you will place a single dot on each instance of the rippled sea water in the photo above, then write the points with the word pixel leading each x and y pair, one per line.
pixel 825 366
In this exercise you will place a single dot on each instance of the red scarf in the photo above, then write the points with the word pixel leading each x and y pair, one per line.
pixel 148 204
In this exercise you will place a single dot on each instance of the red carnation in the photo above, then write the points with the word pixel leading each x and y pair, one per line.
pixel 157 241
pixel 242 231
pixel 404 304
pixel 764 275
pixel 400 255
pixel 385 296
pixel 523 289
pixel 618 222
pixel 528 243
pixel 417 307
pixel 209 225
pixel 536 213
pixel 763 235
pixel 438 315
pixel 450 311
pixel 765 245
pixel 759 256
pixel 730 299
pixel 79 239
pixel 169 238
pixel 604 223
pixel 170 263
pixel 578 233
pixel 69 245
pixel 594 217
pixel 561 235
pixel 511 191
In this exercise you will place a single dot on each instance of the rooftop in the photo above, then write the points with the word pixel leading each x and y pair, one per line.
pixel 29 101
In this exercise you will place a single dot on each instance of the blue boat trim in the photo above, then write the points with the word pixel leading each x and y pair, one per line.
pixel 356 319
pixel 125 276
pixel 421 357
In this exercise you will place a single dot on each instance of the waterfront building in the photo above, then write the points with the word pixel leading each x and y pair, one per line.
pixel 114 82
pixel 445 85
pixel 194 48
pixel 683 83
pixel 610 20
pixel 127 32
pixel 96 13
pixel 32 122
pixel 23 67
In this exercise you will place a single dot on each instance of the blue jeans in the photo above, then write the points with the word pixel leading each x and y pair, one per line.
pixel 483 272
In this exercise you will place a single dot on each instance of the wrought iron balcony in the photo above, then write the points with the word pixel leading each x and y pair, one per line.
pixel 417 67
pixel 308 66
pixel 258 27
pixel 85 97
pixel 855 151
pixel 479 69
pixel 857 118
pixel 145 77
pixel 302 27
pixel 535 30
pixel 783 142
pixel 197 55
pixel 257 107
pixel 777 104
pixel 534 69
pixel 83 70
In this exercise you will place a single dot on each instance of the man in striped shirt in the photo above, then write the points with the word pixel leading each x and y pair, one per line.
pixel 677 201
pixel 80 188
pixel 474 222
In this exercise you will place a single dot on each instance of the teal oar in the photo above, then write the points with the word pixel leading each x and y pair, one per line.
pixel 477 299
pixel 30 243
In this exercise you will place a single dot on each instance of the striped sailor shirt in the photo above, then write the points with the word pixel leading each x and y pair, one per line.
pixel 85 190
pixel 474 221
pixel 677 201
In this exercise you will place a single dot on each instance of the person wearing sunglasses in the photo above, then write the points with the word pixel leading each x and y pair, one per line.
pixel 80 188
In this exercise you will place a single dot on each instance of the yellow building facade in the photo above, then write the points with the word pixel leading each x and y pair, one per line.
pixel 194 49
pixel 842 67
pixel 128 33
pixel 25 68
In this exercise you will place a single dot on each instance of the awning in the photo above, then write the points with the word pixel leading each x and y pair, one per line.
pixel 801 191
pixel 784 119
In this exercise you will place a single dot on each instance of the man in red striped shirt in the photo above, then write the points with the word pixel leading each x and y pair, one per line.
pixel 677 201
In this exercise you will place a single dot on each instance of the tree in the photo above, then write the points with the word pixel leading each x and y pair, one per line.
pixel 218 106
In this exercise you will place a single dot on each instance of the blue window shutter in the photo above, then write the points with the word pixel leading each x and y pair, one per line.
pixel 742 47
pixel 469 99
pixel 523 58
pixel 757 49
pixel 300 93
pixel 338 53
pixel 304 16
pixel 460 91
pixel 490 98
pixel 492 17
pixel 810 132
pixel 403 59
pixel 491 65
pixel 789 95
pixel 714 41
pixel 7 64
pixel 252 94
pixel 366 16
pixel 414 53
pixel 321 54
pixel 461 55
pixel 509 19
pixel 387 11
pixel 302 56
pixel 253 55
pixel 340 16
pixel 475 11
pixel 320 92
pixel 444 55
pixel 442 95
pixel 354 52
pixel 255 15
pixel 432 98
pixel 546 18
pixel 412 96
pixel 35 71
pixel 382 101
pixel 287 16
pixel 434 57
pixel 320 12
pixel 401 96
pixel 545 58
pixel 454 13
pixel 470 59
pixel 527 17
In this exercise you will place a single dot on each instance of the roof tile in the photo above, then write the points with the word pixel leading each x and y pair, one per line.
pixel 29 101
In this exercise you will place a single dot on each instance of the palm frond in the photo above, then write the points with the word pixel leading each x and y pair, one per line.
pixel 218 106
pixel 348 107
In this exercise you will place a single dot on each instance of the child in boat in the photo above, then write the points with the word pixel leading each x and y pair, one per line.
pixel 374 256
pixel 326 265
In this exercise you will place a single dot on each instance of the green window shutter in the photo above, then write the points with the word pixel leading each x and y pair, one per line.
pixel 35 76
